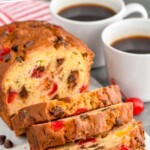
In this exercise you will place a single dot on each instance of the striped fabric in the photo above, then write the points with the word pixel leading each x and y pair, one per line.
pixel 24 10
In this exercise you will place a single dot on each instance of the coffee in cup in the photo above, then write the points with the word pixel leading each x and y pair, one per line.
pixel 138 44
pixel 86 12
pixel 127 56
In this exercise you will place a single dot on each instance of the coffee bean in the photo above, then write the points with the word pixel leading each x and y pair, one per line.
pixel 2 139
pixel 8 144
pixel 15 48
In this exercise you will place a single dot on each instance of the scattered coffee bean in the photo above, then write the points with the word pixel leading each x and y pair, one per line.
pixel 8 144
pixel 2 139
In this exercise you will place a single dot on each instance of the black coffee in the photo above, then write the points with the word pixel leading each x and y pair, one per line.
pixel 86 12
pixel 135 44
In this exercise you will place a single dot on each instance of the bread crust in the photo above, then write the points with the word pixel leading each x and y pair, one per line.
pixel 133 138
pixel 65 107
pixel 20 40
pixel 78 127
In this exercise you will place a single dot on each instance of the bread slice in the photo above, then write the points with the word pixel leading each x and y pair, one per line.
pixel 40 61
pixel 126 137
pixel 78 127
pixel 61 108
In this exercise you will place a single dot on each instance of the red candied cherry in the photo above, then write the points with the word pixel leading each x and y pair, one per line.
pixel 38 72
pixel 138 105
pixel 80 110
pixel 87 140
pixel 83 88
pixel 123 147
pixel 3 52
pixel 57 125
pixel 11 97
pixel 53 89
pixel 56 26
pixel 10 28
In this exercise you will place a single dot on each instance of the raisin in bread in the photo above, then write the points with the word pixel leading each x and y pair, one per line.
pixel 126 137
pixel 78 127
pixel 40 61
pixel 64 107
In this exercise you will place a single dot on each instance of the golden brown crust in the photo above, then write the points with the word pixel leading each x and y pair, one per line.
pixel 61 108
pixel 19 39
pixel 133 138
pixel 79 127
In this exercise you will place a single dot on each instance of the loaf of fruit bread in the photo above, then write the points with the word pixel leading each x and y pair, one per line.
pixel 40 61
pixel 64 107
pixel 42 136
pixel 126 137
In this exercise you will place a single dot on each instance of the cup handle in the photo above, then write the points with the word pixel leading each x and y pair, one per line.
pixel 135 7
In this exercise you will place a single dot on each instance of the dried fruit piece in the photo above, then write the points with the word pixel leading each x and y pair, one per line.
pixel 19 59
pixel 23 93
pixel 83 116
pixel 58 112
pixel 60 41
pixel 138 105
pixel 38 72
pixel 10 28
pixel 58 27
pixel 8 144
pixel 123 147
pixel 7 57
pixel 15 48
pixel 2 139
pixel 60 61
pixel 83 88
pixel 87 140
pixel 4 52
pixel 53 89
pixel 57 125
pixel 72 79
pixel 28 44
pixel 118 121
pixel 11 97
pixel 80 110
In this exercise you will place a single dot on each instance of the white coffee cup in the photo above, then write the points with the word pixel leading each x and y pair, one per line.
pixel 129 70
pixel 90 32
